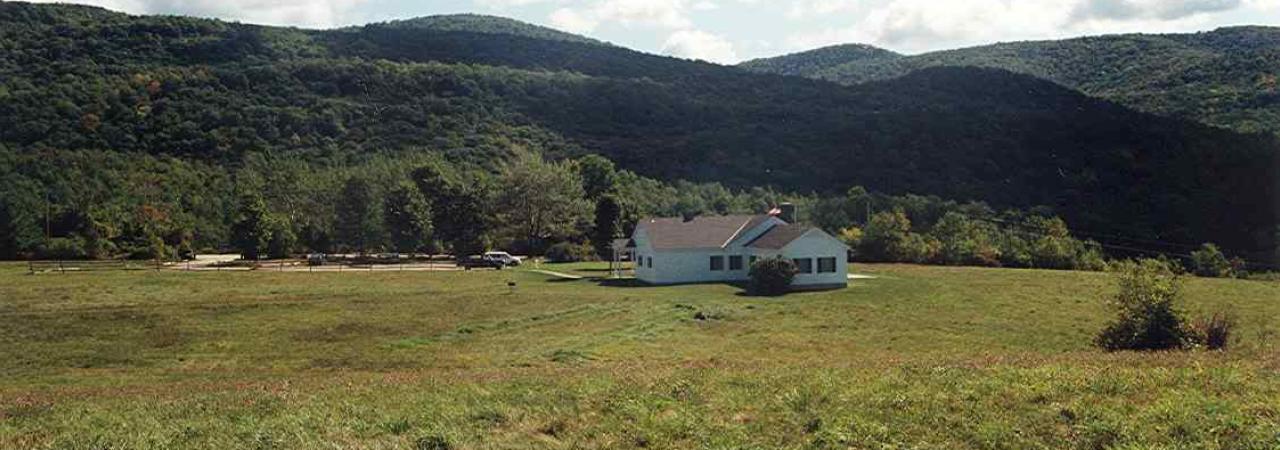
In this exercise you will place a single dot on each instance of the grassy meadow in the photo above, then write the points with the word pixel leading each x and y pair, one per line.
pixel 920 357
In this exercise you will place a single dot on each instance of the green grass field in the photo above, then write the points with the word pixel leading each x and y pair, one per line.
pixel 922 357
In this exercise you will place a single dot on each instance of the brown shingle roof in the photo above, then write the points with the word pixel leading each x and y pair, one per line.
pixel 701 232
pixel 779 236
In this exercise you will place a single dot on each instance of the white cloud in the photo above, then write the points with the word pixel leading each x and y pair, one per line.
pixel 305 13
pixel 924 25
pixel 804 9
pixel 697 44
pixel 1148 9
pixel 706 5
pixel 628 13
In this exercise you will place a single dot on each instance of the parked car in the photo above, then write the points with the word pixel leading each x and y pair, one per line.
pixel 482 262
pixel 317 259
pixel 505 257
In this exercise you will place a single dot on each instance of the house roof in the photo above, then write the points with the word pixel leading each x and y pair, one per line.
pixel 778 236
pixel 701 232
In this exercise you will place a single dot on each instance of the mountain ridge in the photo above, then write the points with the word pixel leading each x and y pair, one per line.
pixel 224 94
pixel 1225 77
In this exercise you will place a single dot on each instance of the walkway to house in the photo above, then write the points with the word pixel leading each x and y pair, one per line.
pixel 854 276
pixel 563 276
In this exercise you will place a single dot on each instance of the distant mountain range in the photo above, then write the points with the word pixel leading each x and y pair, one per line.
pixel 473 88
pixel 1226 77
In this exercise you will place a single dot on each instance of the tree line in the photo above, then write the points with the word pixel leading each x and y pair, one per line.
pixel 280 207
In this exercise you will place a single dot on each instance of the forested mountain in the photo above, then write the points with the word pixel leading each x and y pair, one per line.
pixel 476 23
pixel 1225 77
pixel 814 62
pixel 105 112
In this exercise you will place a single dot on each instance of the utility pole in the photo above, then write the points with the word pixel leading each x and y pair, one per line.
pixel 48 234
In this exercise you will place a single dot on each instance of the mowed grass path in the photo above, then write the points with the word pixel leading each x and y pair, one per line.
pixel 921 357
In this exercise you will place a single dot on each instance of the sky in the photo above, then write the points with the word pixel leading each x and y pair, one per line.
pixel 730 31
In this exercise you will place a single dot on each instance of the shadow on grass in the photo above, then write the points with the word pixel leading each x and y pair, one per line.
pixel 621 282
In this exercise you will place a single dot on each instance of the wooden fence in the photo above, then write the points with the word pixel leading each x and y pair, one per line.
pixel 90 266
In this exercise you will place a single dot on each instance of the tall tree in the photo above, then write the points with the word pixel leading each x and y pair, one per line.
pixel 8 232
pixel 598 175
pixel 251 233
pixel 432 181
pixel 607 224
pixel 407 218
pixel 468 219
pixel 458 209
pixel 357 225
pixel 542 200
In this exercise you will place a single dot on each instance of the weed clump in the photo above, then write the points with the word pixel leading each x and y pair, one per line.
pixel 1212 332
pixel 432 442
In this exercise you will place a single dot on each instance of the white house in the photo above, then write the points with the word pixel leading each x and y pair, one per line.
pixel 722 248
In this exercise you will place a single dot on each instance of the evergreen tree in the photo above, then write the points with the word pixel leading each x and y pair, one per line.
pixel 251 232
pixel 8 232
pixel 357 225
pixel 468 222
pixel 282 240
pixel 407 218
pixel 607 228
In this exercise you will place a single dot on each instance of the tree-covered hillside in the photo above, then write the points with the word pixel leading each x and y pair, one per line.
pixel 813 62
pixel 1225 77
pixel 160 103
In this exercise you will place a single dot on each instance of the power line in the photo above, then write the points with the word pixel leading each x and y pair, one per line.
pixel 1037 233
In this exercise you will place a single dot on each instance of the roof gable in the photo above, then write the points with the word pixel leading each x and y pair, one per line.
pixel 780 236
pixel 701 232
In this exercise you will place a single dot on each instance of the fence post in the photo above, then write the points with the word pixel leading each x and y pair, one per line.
pixel 61 269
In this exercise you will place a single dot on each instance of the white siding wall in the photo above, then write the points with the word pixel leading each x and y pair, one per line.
pixel 643 252
pixel 694 266
pixel 819 245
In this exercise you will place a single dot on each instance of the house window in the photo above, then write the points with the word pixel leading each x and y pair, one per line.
pixel 735 262
pixel 804 265
pixel 650 262
pixel 826 265
pixel 717 263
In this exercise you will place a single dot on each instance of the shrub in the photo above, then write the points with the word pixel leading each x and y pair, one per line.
pixel 62 248
pixel 1209 261
pixel 1146 309
pixel 772 276
pixel 1212 332
pixel 966 242
pixel 567 252
pixel 888 238
pixel 851 236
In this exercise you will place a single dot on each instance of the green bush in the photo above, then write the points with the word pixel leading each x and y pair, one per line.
pixel 966 242
pixel 1209 261
pixel 568 252
pixel 888 238
pixel 1146 309
pixel 772 276
pixel 62 248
